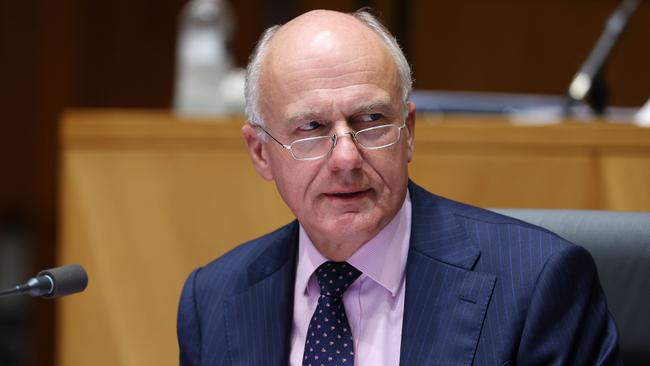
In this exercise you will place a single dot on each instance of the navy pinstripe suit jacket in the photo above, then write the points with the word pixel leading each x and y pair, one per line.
pixel 481 289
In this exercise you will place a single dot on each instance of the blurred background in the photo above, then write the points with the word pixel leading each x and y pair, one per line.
pixel 121 53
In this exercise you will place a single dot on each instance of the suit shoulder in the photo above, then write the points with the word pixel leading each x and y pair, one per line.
pixel 481 221
pixel 490 231
pixel 229 273
pixel 515 249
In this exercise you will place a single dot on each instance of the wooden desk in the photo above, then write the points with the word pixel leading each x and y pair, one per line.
pixel 145 198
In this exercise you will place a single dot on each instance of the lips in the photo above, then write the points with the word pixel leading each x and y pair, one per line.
pixel 348 194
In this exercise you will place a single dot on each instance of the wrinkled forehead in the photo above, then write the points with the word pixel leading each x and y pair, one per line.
pixel 329 55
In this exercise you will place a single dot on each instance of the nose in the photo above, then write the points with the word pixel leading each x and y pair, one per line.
pixel 346 154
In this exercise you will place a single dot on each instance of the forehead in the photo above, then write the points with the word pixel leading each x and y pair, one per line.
pixel 327 68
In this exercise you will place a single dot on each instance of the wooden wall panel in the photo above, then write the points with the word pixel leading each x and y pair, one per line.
pixel 531 47
pixel 146 198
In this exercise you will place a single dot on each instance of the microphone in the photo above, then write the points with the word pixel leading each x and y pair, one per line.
pixel 55 282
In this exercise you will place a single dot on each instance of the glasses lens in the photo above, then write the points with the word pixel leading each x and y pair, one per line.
pixel 378 137
pixel 311 148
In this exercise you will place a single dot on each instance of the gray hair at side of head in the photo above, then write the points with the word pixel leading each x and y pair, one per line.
pixel 253 70
pixel 403 67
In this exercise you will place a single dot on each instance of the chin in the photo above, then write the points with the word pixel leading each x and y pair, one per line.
pixel 354 227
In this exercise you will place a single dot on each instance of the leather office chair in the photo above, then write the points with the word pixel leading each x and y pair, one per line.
pixel 620 245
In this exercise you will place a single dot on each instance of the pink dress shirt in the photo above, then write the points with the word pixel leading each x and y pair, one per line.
pixel 374 303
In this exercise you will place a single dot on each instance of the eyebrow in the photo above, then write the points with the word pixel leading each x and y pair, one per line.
pixel 302 116
pixel 373 105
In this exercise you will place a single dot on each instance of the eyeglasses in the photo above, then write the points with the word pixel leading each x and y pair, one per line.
pixel 314 148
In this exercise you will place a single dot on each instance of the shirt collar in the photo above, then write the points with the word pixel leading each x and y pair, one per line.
pixel 376 258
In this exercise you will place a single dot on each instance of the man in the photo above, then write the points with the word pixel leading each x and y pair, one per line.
pixel 414 279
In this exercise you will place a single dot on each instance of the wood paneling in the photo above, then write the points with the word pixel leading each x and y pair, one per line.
pixel 532 47
pixel 146 198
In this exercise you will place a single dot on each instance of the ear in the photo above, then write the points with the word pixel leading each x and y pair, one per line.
pixel 257 151
pixel 410 127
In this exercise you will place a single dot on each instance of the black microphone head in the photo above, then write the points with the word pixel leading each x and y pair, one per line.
pixel 68 279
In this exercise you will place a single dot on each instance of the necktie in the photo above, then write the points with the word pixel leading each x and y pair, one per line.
pixel 329 337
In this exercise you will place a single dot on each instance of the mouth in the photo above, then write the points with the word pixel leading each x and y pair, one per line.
pixel 348 195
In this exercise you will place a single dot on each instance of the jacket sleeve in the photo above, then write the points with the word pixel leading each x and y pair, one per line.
pixel 567 322
pixel 188 325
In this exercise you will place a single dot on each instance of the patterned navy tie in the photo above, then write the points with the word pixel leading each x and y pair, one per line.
pixel 329 337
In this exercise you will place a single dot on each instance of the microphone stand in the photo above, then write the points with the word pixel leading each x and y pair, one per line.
pixel 588 80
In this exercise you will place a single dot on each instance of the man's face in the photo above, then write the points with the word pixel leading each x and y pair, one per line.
pixel 333 87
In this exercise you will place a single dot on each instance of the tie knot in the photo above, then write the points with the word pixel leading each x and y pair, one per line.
pixel 335 277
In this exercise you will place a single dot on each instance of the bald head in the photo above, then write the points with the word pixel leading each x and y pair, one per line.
pixel 324 40
pixel 307 26
pixel 322 34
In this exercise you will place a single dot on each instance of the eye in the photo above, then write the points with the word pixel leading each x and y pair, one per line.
pixel 371 117
pixel 310 126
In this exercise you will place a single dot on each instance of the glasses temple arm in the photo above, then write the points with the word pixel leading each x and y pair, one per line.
pixel 271 136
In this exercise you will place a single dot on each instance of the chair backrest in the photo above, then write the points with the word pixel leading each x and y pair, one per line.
pixel 620 245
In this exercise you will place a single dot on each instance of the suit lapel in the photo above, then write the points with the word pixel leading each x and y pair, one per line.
pixel 445 301
pixel 258 320
pixel 444 307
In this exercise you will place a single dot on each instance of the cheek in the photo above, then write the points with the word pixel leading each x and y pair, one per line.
pixel 392 168
pixel 293 182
